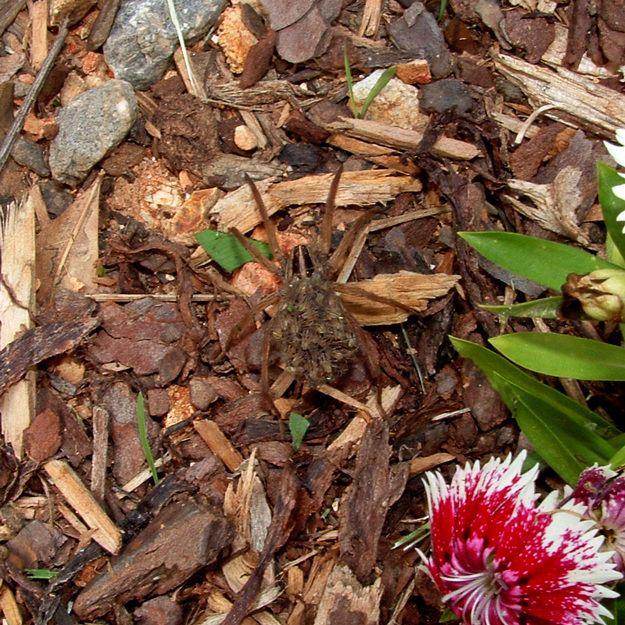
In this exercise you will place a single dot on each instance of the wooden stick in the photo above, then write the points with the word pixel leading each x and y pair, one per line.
pixel 402 139
pixel 106 533
pixel 31 98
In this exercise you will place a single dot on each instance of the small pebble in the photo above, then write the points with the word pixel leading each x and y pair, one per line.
pixel 244 138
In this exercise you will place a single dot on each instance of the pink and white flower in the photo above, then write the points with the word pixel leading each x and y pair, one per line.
pixel 602 492
pixel 500 559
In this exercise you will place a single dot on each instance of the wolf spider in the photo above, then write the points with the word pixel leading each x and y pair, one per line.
pixel 316 337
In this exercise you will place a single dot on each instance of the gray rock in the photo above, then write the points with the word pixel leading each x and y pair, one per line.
pixel 89 127
pixel 143 39
pixel 30 155
pixel 448 94
pixel 418 33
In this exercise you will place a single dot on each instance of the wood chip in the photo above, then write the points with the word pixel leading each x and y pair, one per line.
pixel 421 465
pixel 408 288
pixel 361 188
pixel 218 443
pixel 10 610
pixel 579 102
pixel 106 533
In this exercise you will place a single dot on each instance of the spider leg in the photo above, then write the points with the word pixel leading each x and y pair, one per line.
pixel 237 331
pixel 258 257
pixel 328 212
pixel 269 225
pixel 335 262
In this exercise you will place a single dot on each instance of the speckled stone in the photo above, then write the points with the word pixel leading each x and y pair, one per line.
pixel 143 39
pixel 89 127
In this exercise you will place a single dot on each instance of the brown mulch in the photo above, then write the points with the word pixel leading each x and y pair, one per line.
pixel 243 526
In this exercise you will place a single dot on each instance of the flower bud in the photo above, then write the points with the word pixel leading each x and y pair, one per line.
pixel 599 295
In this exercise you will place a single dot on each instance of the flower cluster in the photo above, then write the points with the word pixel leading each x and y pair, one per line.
pixel 500 558
pixel 603 494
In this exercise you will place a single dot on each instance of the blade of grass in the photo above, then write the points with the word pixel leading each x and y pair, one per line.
pixel 143 436
pixel 387 75
pixel 183 47
pixel 350 86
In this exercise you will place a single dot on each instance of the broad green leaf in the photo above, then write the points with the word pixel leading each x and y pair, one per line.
pixel 563 356
pixel 546 262
pixel 490 362
pixel 612 206
pixel 226 250
pixel 298 425
pixel 618 459
pixel 545 308
pixel 383 80
pixel 567 435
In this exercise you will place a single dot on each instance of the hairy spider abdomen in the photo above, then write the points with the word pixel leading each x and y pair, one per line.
pixel 314 337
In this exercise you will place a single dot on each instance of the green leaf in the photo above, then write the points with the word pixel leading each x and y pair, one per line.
pixel 616 607
pixel 143 437
pixel 226 250
pixel 387 75
pixel 563 356
pixel 546 262
pixel 298 426
pixel 612 206
pixel 545 308
pixel 567 435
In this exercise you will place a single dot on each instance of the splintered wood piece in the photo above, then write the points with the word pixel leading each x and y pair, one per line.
pixel 218 443
pixel 402 139
pixel 380 155
pixel 101 420
pixel 578 101
pixel 10 610
pixel 68 247
pixel 421 465
pixel 17 307
pixel 39 29
pixel 346 596
pixel 555 204
pixel 376 485
pixel 406 287
pixel 370 18
pixel 106 533
pixel 361 188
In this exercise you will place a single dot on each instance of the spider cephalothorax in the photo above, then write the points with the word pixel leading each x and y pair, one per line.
pixel 314 335
pixel 315 338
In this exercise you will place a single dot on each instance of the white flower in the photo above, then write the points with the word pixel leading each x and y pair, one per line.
pixel 618 154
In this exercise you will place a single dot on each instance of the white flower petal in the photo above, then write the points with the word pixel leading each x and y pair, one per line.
pixel 617 152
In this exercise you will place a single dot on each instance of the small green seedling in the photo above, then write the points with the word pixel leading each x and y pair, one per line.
pixel 41 573
pixel 382 81
pixel 298 425
pixel 143 435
